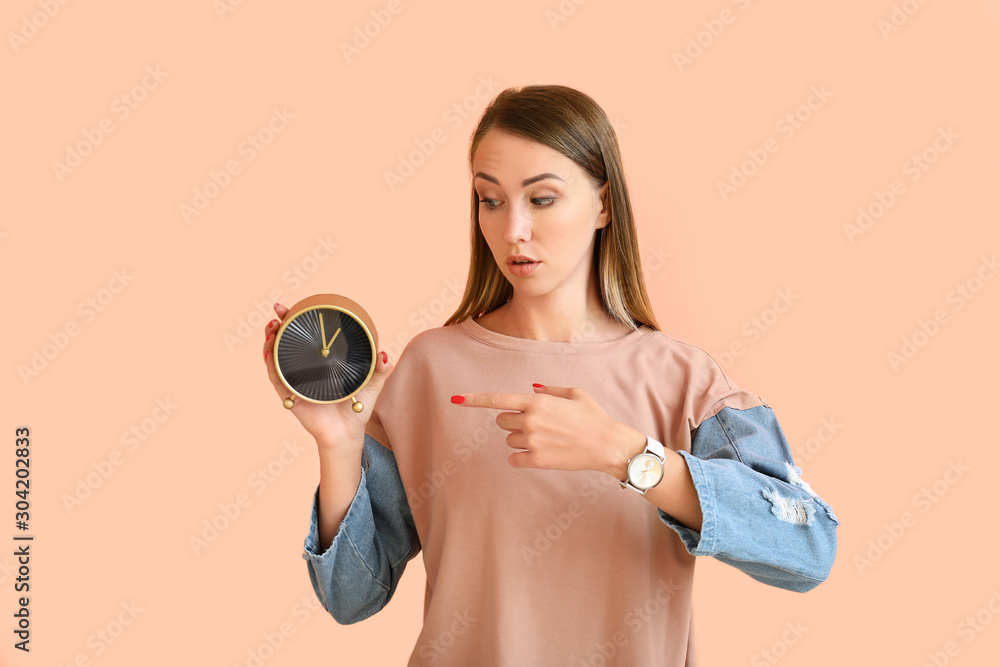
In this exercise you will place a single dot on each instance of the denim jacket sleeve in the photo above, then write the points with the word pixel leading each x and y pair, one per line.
pixel 757 513
pixel 357 575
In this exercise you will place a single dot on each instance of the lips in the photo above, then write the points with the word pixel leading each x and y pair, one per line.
pixel 522 269
pixel 520 259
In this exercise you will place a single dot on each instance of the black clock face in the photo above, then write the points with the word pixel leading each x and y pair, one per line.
pixel 324 354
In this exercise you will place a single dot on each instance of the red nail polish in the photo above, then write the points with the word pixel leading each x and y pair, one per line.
pixel 385 358
pixel 535 384
pixel 458 399
pixel 266 352
pixel 268 337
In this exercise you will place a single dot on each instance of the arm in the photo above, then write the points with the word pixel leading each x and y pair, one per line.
pixel 356 576
pixel 675 493
pixel 756 513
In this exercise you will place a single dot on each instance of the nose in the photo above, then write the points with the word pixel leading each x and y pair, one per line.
pixel 517 225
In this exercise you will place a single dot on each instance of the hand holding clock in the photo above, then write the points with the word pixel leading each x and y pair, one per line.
pixel 329 423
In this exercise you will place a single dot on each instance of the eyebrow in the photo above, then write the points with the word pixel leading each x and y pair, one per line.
pixel 525 183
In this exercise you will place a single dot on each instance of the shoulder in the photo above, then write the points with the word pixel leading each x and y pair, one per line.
pixel 424 351
pixel 708 386
pixel 686 355
pixel 414 372
pixel 429 342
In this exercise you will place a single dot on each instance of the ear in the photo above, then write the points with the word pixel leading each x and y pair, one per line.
pixel 604 217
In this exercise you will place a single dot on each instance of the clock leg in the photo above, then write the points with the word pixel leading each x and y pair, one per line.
pixel 358 405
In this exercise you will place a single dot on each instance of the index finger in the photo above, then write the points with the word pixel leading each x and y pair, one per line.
pixel 494 400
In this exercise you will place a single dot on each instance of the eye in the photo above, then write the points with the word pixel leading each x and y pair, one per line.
pixel 539 202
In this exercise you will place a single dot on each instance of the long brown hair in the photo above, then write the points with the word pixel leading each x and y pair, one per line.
pixel 572 123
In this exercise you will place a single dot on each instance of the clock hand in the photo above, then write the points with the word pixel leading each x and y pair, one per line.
pixel 327 346
pixel 322 331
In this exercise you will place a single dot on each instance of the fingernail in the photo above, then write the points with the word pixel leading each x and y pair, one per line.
pixel 458 399
pixel 266 352
pixel 535 384
pixel 268 337
pixel 272 323
pixel 385 358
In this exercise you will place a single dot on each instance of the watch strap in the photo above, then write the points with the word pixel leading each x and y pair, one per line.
pixel 656 447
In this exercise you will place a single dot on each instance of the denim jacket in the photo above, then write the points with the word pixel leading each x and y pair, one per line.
pixel 741 466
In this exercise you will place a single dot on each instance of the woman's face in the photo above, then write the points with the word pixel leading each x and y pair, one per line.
pixel 540 204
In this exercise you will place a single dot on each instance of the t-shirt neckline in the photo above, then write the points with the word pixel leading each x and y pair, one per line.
pixel 495 339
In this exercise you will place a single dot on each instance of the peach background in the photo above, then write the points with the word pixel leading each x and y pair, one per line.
pixel 169 333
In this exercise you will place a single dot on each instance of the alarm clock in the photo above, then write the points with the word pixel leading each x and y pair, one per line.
pixel 325 350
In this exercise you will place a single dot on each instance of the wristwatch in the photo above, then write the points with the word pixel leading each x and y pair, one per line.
pixel 645 470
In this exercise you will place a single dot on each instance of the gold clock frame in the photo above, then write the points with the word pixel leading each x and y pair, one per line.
pixel 330 302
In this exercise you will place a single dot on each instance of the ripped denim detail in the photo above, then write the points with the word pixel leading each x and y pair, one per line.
pixel 792 510
pixel 795 477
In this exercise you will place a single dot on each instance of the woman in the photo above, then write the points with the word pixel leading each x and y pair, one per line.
pixel 559 460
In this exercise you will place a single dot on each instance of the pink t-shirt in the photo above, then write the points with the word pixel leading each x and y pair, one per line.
pixel 544 567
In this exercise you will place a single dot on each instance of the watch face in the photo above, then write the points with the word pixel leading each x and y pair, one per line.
pixel 324 354
pixel 645 471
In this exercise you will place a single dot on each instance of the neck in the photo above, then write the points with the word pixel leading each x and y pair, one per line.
pixel 548 319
